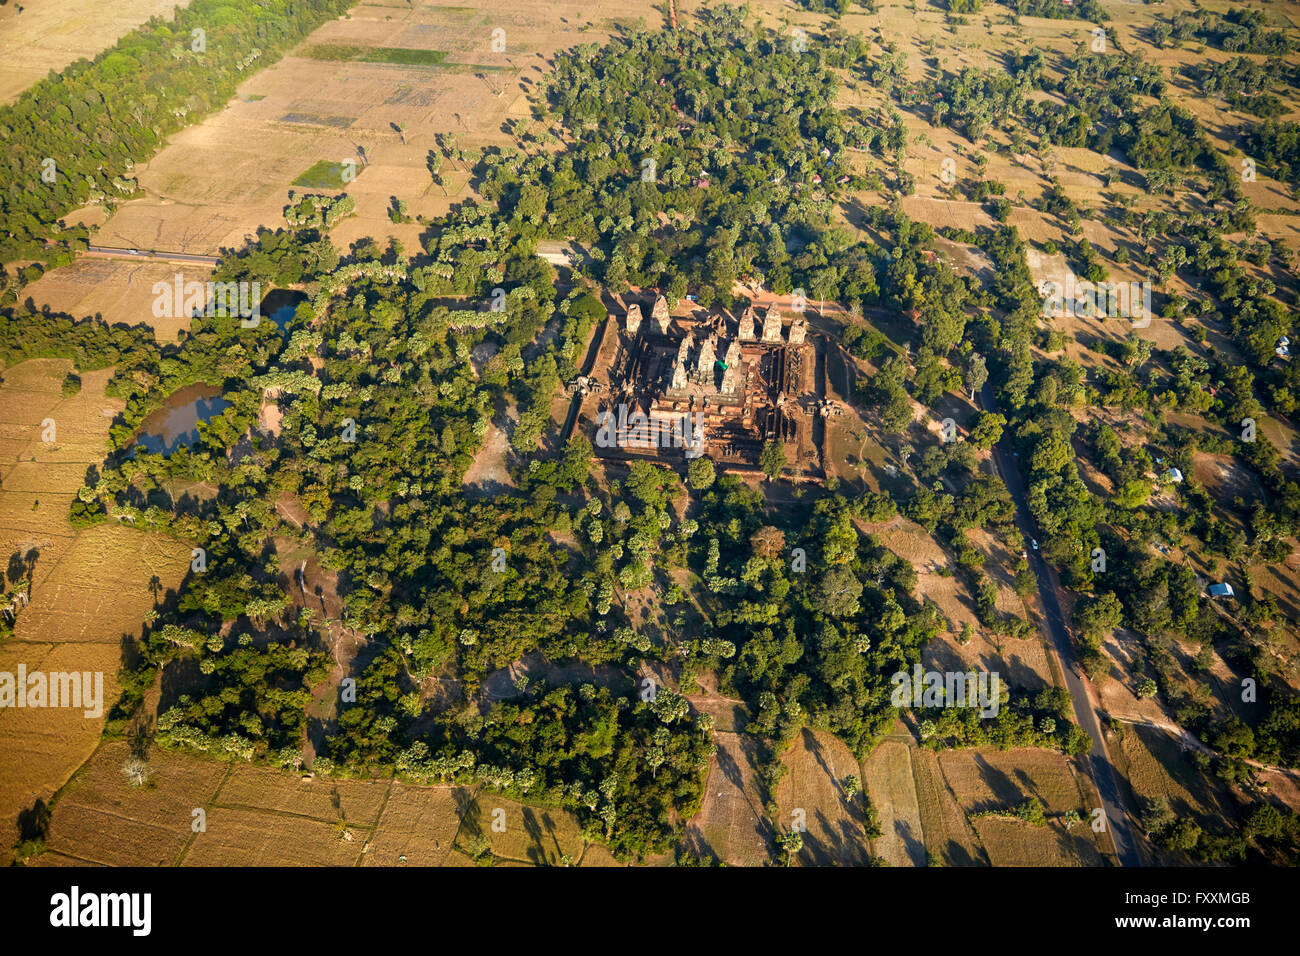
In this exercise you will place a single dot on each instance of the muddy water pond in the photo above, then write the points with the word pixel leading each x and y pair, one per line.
pixel 177 422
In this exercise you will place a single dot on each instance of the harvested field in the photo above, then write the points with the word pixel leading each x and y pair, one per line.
pixel 813 790
pixel 730 824
pixel 417 823
pixel 100 589
pixel 89 587
pixel 251 838
pixel 597 855
pixel 118 290
pixel 532 836
pixel 324 798
pixel 101 819
pixel 983 780
pixel 889 782
pixel 216 182
pixel 59 859
pixel 949 837
pixel 40 748
pixel 986 779
pixel 256 816
pixel 51 34
pixel 1013 843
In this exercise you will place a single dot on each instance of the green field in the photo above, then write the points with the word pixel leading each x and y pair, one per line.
pixel 401 56
pixel 323 175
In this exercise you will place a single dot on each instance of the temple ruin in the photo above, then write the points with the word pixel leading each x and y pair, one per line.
pixel 734 382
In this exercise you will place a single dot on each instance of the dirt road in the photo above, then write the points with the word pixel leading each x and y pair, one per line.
pixel 1118 821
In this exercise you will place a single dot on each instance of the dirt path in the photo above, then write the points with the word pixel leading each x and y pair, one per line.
pixel 1192 742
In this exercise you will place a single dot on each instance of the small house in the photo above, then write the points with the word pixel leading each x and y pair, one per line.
pixel 1221 590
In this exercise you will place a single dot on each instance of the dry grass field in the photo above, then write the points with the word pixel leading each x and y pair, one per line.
pixel 41 748
pixel 887 773
pixel 89 587
pixel 519 834
pixel 50 34
pixel 984 779
pixel 730 824
pixel 355 802
pixel 950 840
pixel 237 837
pixel 100 818
pixel 118 290
pixel 417 827
pixel 259 817
pixel 814 789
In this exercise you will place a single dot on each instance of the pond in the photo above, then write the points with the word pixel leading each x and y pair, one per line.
pixel 281 304
pixel 177 422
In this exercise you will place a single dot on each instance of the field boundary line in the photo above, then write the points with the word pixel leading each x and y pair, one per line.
pixel 271 811
pixel 374 827
pixel 212 801
pixel 81 859
pixel 116 816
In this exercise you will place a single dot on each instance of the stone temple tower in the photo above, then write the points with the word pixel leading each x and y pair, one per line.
pixel 679 367
pixel 772 325
pixel 704 364
pixel 748 325
pixel 659 316
pixel 731 382
pixel 633 323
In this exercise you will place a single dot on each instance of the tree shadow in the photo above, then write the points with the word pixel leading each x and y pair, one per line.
pixel 1005 791
pixel 34 822
pixel 914 848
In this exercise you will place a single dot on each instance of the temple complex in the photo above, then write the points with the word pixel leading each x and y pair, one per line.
pixel 737 382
